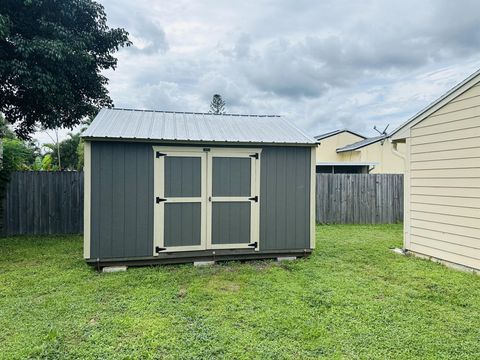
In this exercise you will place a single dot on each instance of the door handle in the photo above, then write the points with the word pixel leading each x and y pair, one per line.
pixel 210 198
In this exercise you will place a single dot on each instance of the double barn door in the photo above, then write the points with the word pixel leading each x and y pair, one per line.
pixel 206 198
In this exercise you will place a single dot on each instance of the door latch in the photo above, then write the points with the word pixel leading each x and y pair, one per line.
pixel 255 198
pixel 158 200
pixel 159 249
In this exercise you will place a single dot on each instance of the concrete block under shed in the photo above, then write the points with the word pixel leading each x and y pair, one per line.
pixel 203 263
pixel 286 258
pixel 112 269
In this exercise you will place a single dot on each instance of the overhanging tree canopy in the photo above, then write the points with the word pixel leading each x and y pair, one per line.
pixel 51 56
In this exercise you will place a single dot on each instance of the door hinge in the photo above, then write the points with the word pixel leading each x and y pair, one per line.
pixel 159 154
pixel 159 249
pixel 158 200
pixel 255 198
pixel 255 156
pixel 254 245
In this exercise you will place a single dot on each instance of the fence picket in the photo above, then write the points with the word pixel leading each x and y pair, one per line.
pixel 359 198
pixel 43 202
pixel 52 202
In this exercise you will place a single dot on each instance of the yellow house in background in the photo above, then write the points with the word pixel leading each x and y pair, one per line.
pixel 345 151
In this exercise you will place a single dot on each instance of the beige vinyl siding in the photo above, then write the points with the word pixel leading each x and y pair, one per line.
pixel 445 196
pixel 474 91
pixel 446 145
pixel 443 217
pixel 445 173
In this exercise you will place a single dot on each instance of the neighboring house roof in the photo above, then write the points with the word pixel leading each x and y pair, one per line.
pixel 336 132
pixel 188 126
pixel 457 90
pixel 360 144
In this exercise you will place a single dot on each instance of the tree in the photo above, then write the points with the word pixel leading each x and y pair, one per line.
pixel 66 150
pixel 51 56
pixel 18 154
pixel 217 106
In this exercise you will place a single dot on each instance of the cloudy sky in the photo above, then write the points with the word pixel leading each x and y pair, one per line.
pixel 325 64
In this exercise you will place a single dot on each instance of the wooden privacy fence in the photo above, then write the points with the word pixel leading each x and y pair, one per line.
pixel 51 202
pixel 359 198
pixel 43 202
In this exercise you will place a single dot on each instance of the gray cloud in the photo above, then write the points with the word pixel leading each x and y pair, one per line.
pixel 146 34
pixel 325 64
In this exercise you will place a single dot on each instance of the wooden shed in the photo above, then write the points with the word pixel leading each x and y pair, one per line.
pixel 168 187
pixel 442 178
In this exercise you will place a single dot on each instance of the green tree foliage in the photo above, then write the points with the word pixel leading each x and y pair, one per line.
pixel 80 155
pixel 52 53
pixel 217 106
pixel 68 152
pixel 18 154
pixel 44 163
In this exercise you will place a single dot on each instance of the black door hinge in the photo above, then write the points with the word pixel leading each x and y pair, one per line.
pixel 158 200
pixel 159 154
pixel 255 198
pixel 255 156
pixel 159 249
pixel 254 245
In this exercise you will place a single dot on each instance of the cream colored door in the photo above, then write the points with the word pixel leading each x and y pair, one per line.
pixel 233 198
pixel 180 199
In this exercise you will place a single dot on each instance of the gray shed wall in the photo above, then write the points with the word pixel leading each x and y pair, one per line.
pixel 122 199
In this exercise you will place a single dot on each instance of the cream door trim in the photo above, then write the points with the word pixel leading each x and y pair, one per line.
pixel 159 191
pixel 87 194
pixel 254 191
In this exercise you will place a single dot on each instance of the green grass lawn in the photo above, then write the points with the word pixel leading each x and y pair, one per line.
pixel 353 298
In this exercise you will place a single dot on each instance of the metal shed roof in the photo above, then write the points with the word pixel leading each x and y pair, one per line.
pixel 194 127
pixel 359 144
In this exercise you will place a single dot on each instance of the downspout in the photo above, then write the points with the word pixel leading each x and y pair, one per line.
pixel 402 156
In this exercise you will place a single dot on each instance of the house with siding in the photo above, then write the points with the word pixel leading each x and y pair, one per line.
pixel 345 151
pixel 442 177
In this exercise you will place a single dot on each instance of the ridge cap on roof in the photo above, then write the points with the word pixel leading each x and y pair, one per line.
pixel 192 112
pixel 336 132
